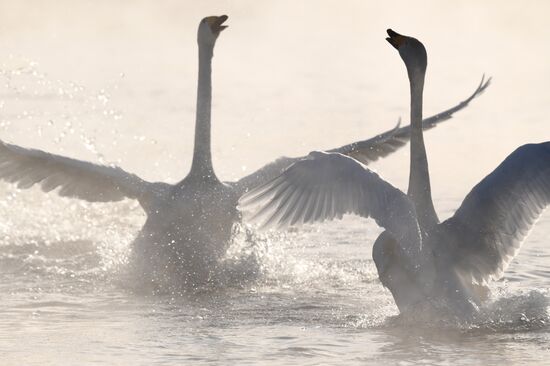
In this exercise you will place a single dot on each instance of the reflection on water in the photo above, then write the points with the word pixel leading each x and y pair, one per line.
pixel 111 83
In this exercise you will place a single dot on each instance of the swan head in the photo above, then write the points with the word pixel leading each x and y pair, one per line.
pixel 411 50
pixel 210 28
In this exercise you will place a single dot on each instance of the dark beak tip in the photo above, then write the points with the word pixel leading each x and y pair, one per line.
pixel 392 42
pixel 217 26
pixel 391 32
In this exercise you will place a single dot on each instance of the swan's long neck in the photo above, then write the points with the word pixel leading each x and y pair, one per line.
pixel 202 156
pixel 419 178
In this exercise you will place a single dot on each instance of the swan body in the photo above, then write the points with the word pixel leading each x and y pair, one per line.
pixel 188 229
pixel 189 225
pixel 424 263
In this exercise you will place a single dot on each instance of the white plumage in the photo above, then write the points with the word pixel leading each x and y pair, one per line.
pixel 421 261
pixel 189 224
pixel 499 212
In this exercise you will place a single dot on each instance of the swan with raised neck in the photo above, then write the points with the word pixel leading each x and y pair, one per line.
pixel 188 225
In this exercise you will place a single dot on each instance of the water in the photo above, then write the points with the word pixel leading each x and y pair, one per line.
pixel 114 83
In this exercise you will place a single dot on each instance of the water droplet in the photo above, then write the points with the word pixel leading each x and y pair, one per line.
pixel 102 97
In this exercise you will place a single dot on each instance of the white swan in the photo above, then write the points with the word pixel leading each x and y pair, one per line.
pixel 421 261
pixel 189 224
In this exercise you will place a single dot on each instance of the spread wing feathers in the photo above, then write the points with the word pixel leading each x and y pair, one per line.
pixel 365 151
pixel 390 141
pixel 325 186
pixel 74 178
pixel 497 215
pixel 262 175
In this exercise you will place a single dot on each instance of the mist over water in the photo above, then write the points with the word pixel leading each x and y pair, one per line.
pixel 113 83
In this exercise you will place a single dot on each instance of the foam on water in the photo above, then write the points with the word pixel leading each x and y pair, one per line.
pixel 280 283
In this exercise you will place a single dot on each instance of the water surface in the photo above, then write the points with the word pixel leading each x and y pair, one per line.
pixel 115 82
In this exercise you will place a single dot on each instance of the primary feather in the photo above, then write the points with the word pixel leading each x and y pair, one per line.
pixel 74 178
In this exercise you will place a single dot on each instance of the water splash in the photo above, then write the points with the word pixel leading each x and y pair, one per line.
pixel 35 104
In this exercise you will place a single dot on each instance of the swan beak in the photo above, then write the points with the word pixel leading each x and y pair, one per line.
pixel 395 39
pixel 215 23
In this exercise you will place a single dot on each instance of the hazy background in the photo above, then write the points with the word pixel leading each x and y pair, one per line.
pixel 115 82
pixel 289 77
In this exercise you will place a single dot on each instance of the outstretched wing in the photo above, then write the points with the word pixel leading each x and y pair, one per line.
pixel 497 215
pixel 74 178
pixel 365 151
pixel 390 141
pixel 325 186
pixel 262 175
